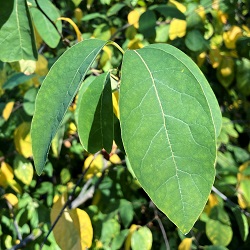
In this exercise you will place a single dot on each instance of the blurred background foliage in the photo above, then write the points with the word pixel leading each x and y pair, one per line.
pixel 108 209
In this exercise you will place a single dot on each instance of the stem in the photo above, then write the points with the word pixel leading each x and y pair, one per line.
pixel 117 46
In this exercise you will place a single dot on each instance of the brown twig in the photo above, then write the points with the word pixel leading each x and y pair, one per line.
pixel 157 218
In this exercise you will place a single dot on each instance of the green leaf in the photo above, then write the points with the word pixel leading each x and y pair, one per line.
pixel 168 11
pixel 142 239
pixel 23 169
pixel 242 222
pixel 218 227
pixel 115 9
pixel 169 119
pixel 243 75
pixel 43 25
pixel 56 94
pixel 16 79
pixel 126 212
pixel 119 239
pixel 147 23
pixel 16 33
pixel 95 118
pixel 195 41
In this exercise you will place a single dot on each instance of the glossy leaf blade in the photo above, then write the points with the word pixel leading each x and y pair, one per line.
pixel 16 33
pixel 168 129
pixel 56 94
pixel 43 25
pixel 95 117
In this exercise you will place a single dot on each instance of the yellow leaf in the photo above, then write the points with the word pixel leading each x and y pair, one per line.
pixel 201 59
pixel 70 228
pixel 243 197
pixel 178 5
pixel 78 14
pixel 38 39
pixel 7 110
pixel 96 166
pixel 133 18
pixel 78 33
pixel 177 28
pixel 72 128
pixel 135 44
pixel 185 244
pixel 215 57
pixel 230 37
pixel 83 225
pixel 11 198
pixel 132 228
pixel 41 66
pixel 212 201
pixel 115 159
pixel 22 139
pixel 115 100
pixel 7 173
pixel 27 66
pixel 216 4
pixel 201 12
pixel 226 66
pixel 15 186
pixel 222 17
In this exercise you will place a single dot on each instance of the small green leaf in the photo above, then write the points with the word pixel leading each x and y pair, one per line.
pixel 16 79
pixel 95 118
pixel 56 94
pixel 16 34
pixel 218 227
pixel 142 239
pixel 43 25
pixel 126 212
pixel 242 222
pixel 169 121
pixel 23 169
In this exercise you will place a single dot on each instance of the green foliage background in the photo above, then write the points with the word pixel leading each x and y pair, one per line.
pixel 215 34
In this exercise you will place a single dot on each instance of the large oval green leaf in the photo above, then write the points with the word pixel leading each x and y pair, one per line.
pixel 169 122
pixel 57 92
pixel 95 117
pixel 16 33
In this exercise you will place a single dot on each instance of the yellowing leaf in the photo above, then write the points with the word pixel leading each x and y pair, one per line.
pixel 135 44
pixel 11 198
pixel 215 57
pixel 185 244
pixel 230 37
pixel 73 230
pixel 22 139
pixel 226 66
pixel 96 166
pixel 78 14
pixel 222 17
pixel 72 128
pixel 201 59
pixel 178 5
pixel 177 28
pixel 78 33
pixel 115 159
pixel 7 110
pixel 133 18
pixel 41 66
pixel 83 225
pixel 201 12
pixel 115 100
pixel 132 228
pixel 6 174
pixel 15 186
pixel 27 66
pixel 243 186
pixel 23 170
pixel 212 201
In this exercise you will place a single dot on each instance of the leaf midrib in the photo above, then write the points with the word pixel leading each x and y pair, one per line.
pixel 18 28
pixel 164 123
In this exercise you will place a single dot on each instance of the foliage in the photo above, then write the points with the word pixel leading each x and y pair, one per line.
pixel 103 206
